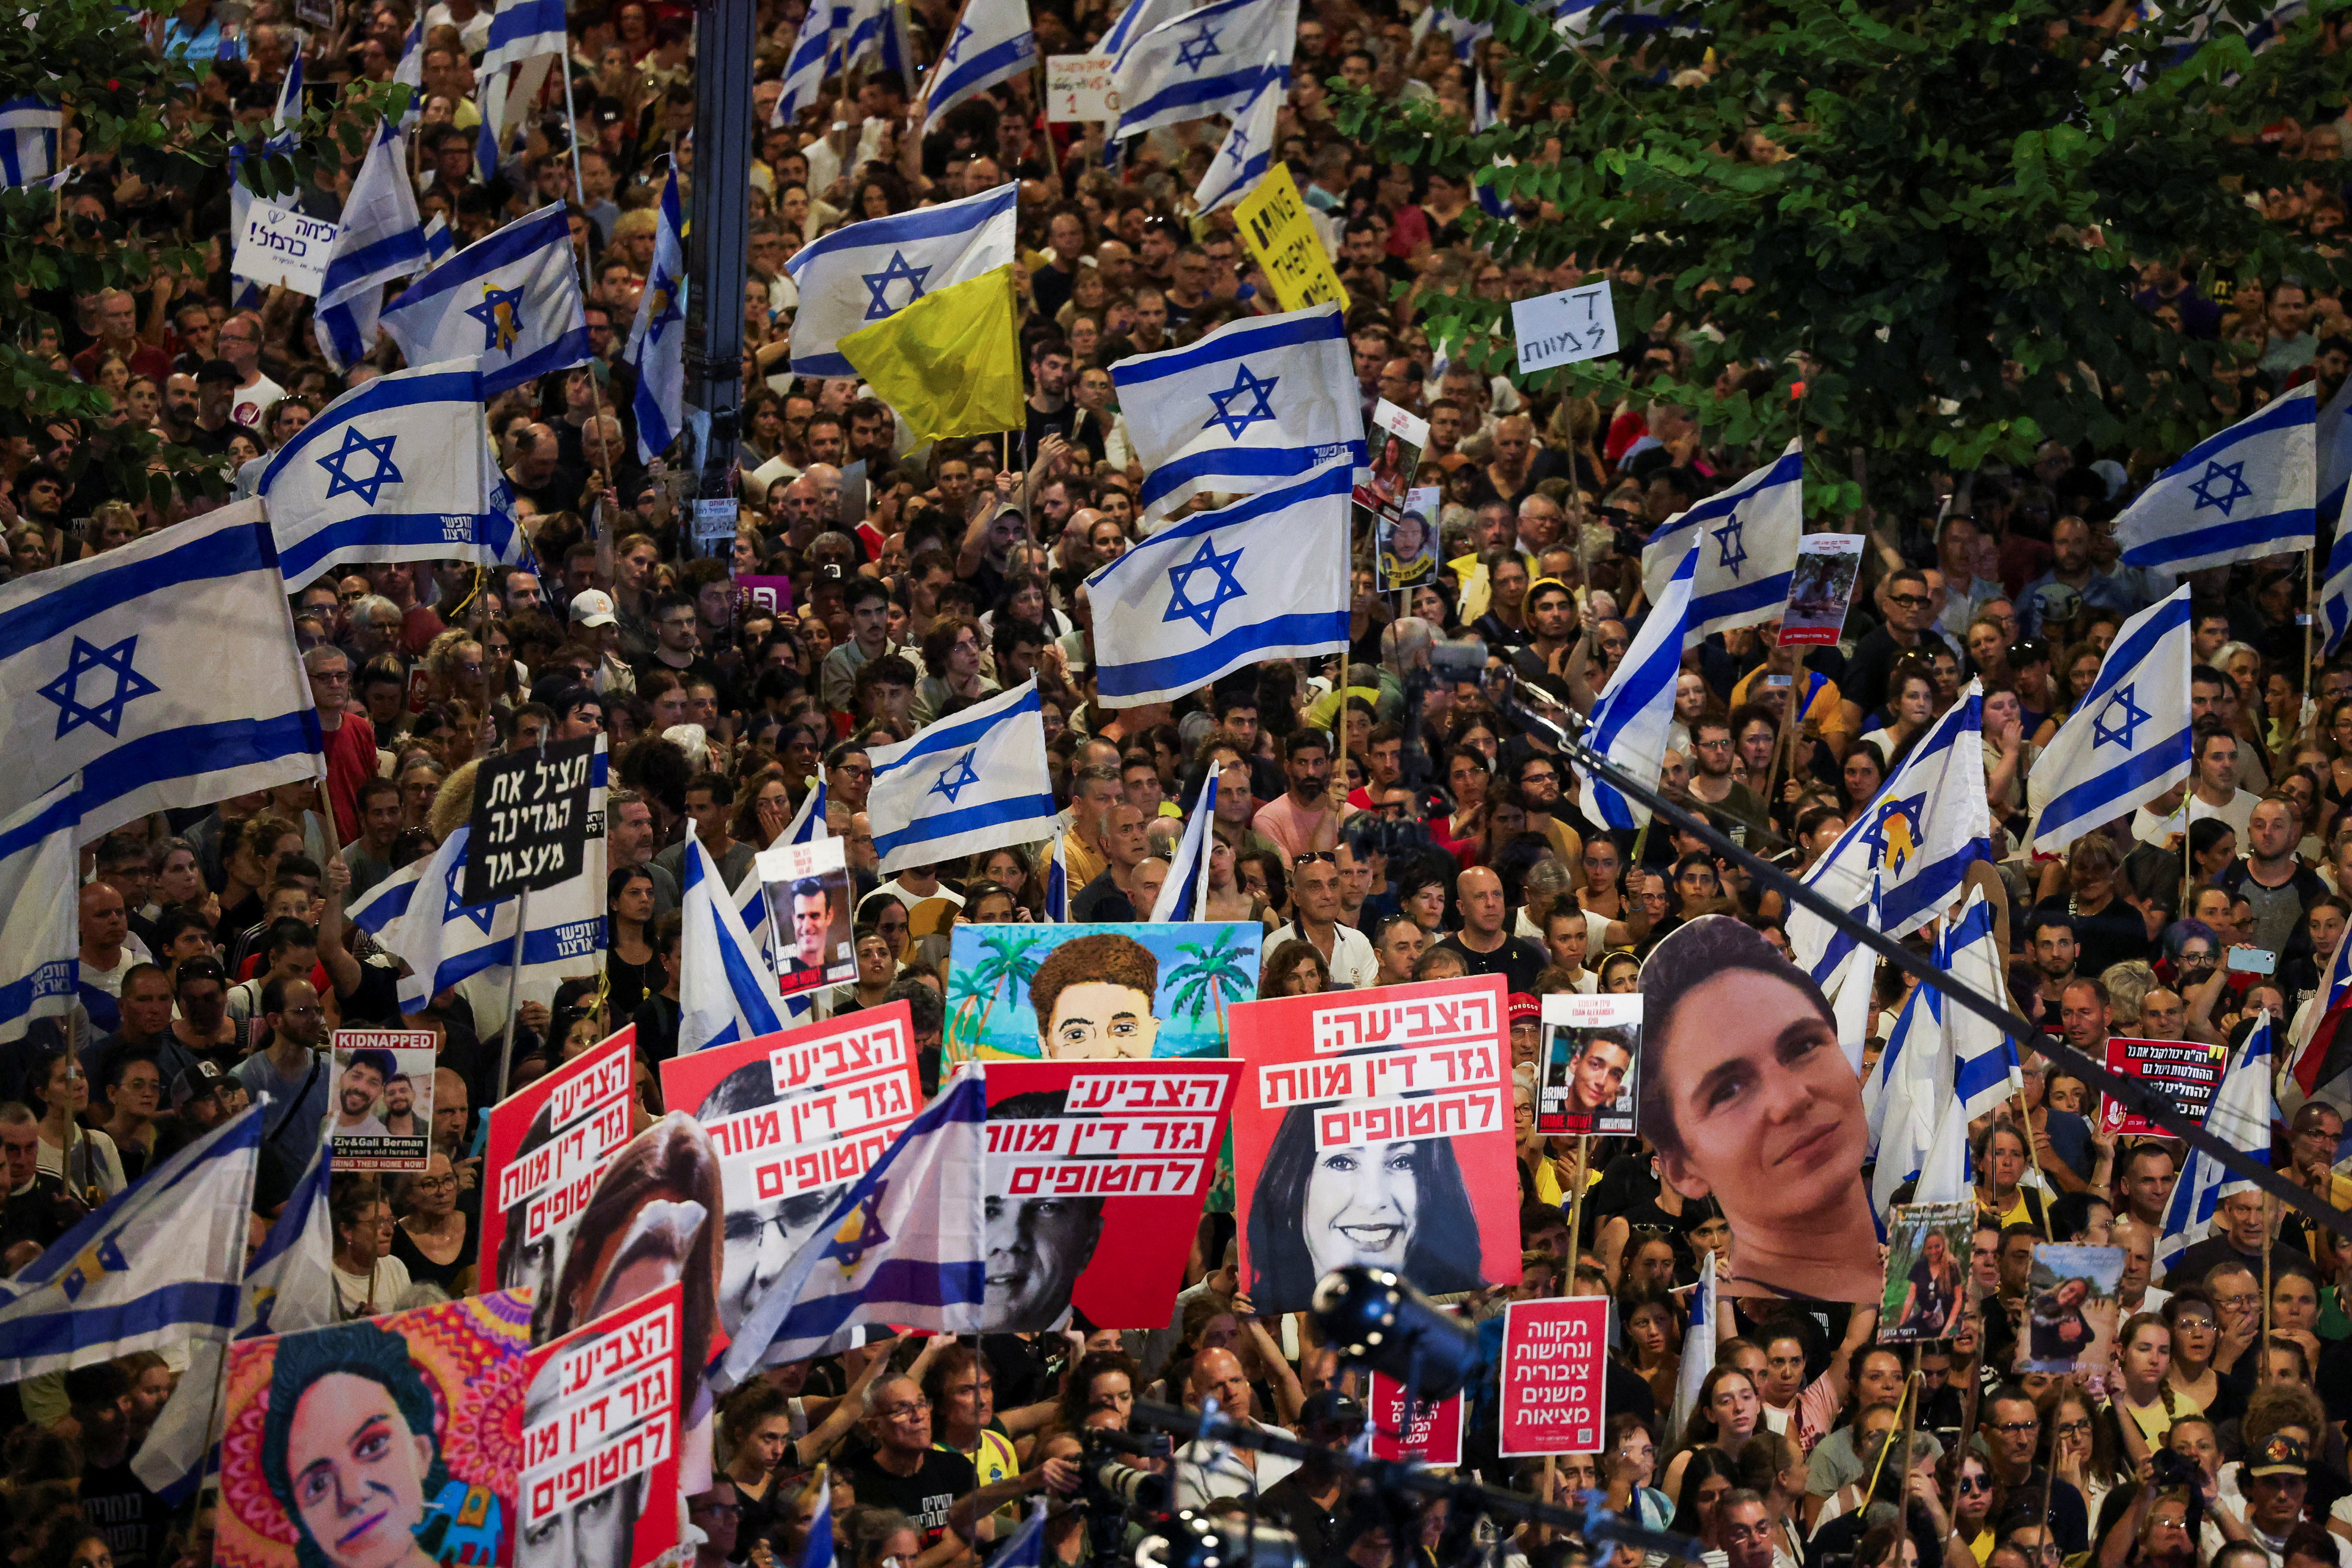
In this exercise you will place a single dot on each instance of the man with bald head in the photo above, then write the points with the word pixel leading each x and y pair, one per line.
pixel 1486 945
pixel 108 951
pixel 1203 1473
pixel 536 474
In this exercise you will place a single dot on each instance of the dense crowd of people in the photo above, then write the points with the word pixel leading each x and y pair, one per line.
pixel 1381 823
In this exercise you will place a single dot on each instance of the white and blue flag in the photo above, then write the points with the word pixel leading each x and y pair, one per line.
pixel 974 781
pixel 1747 539
pixel 726 991
pixel 906 1246
pixel 97 677
pixel 2332 435
pixel 380 239
pixel 1698 1349
pixel 1263 578
pixel 1254 404
pixel 806 827
pixel 158 1264
pixel 1187 886
pixel 410 72
pixel 1139 18
pixel 1027 1547
pixel 438 241
pixel 1986 1071
pixel 2240 1115
pixel 869 271
pixel 1204 62
pixel 2249 492
pixel 392 471
pixel 1243 157
pixel 824 28
pixel 2129 739
pixel 656 348
pixel 817 1550
pixel 40 922
pixel 512 299
pixel 29 128
pixel 1630 720
pixel 991 42
pixel 521 29
pixel 1903 1094
pixel 1058 883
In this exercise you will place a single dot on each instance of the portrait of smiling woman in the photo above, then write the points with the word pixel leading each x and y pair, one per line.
pixel 1400 1206
pixel 1748 1098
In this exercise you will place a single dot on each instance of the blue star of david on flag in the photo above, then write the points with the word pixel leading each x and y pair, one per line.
pixel 665 310
pixel 2230 476
pixel 341 480
pixel 1894 833
pixel 1203 613
pixel 1238 144
pixel 1259 388
pixel 482 915
pixel 1196 52
pixel 878 284
pixel 86 658
pixel 955 777
pixel 500 314
pixel 955 46
pixel 1730 540
pixel 2110 727
pixel 861 1232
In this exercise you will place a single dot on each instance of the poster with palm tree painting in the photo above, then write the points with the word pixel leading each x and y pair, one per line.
pixel 1075 992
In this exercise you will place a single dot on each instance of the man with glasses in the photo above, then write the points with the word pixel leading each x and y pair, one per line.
pixel 2012 1427
pixel 293 1070
pixel 1909 628
pixel 239 343
pixel 936 1489
pixel 1716 787
pixel 350 739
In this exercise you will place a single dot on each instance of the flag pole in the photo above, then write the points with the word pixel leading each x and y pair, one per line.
pixel 596 390
pixel 514 987
pixel 2310 624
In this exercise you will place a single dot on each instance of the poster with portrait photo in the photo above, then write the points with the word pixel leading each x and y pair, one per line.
pixel 1096 1173
pixel 1376 1127
pixel 1591 1052
pixel 1397 440
pixel 543 1147
pixel 598 1483
pixel 1821 589
pixel 1405 545
pixel 1926 1272
pixel 375 1441
pixel 810 909
pixel 2070 1308
pixel 1032 991
pixel 380 1116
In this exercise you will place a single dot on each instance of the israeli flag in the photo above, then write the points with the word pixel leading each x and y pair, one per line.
pixel 380 239
pixel 1242 159
pixel 1204 62
pixel 2240 1115
pixel 810 60
pixel 726 992
pixel 2248 492
pixel 816 1548
pixel 156 1265
pixel 974 781
pixel 521 29
pixel 288 115
pixel 40 918
pixel 512 300
pixel 1027 1547
pixel 2129 740
pixel 1058 883
pixel 1263 578
pixel 1253 404
pixel 2333 438
pixel 991 42
pixel 1985 1072
pixel 869 271
pixel 657 350
pixel 498 538
pixel 806 827
pixel 438 241
pixel 1187 886
pixel 392 471
pixel 1629 721
pixel 410 72
pixel 1747 539
pixel 1139 18
pixel 907 1244
pixel 1698 1349
pixel 1915 842
pixel 1902 1095
pixel 163 672
pixel 29 128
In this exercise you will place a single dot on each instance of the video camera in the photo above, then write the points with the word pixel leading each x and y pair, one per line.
pixel 1112 1491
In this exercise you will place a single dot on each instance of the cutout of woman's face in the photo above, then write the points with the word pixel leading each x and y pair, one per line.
pixel 358 1470
pixel 1362 1204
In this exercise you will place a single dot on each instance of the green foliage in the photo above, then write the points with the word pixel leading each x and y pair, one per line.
pixel 1943 255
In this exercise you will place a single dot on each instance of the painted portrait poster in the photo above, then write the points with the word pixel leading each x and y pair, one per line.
pixel 1071 992
pixel 1375 1126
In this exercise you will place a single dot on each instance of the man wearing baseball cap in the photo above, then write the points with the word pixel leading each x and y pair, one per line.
pixel 1305 1501
pixel 2274 1479
pixel 1526 1028
pixel 596 621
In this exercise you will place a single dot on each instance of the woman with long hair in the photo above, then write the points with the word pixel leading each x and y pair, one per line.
pixel 1773 1467
pixel 1653 1337
pixel 83 1158
pixel 2196 1335
pixel 632 968
pixel 2077 1448
pixel 2140 1400
pixel 1629 1467
pixel 1861 775
pixel 1728 1411
pixel 1400 1205
pixel 1293 969
pixel 1698 1480
pixel 1974 1498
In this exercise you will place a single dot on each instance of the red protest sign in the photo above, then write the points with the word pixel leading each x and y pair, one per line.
pixel 544 1146
pixel 1553 1377
pixel 600 1437
pixel 1434 1437
pixel 2186 1071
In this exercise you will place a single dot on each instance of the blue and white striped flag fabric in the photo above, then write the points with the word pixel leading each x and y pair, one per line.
pixel 1747 539
pixel 1698 1350
pixel 1187 886
pixel 657 349
pixel 992 42
pixel 520 29
pixel 2332 435
pixel 869 271
pixel 2129 740
pixel 806 827
pixel 438 241
pixel 1027 1547
pixel 1254 404
pixel 1058 882
pixel 164 673
pixel 410 72
pixel 29 128
pixel 1263 578
pixel 1204 62
pixel 287 114
pixel 380 239
pixel 512 299
pixel 156 1265
pixel 40 940
pixel 2248 492
pixel 974 781
pixel 1242 159
pixel 392 471
pixel 1985 1068
pixel 1905 1093
pixel 1630 720
pixel 2240 1115
pixel 1139 18
pixel 726 991
pixel 816 1548
pixel 823 30
pixel 907 1244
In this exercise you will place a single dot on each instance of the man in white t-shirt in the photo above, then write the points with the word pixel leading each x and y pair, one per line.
pixel 1315 889
pixel 239 342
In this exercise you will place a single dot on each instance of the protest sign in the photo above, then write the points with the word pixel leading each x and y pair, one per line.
pixel 280 245
pixel 1027 991
pixel 1407 556
pixel 1375 1126
pixel 1095 1182
pixel 1592 1053
pixel 1821 589
pixel 543 1148
pixel 1553 1377
pixel 793 1119
pixel 2185 1070
pixel 1565 328
pixel 381 1118
pixel 2070 1308
pixel 1430 1434
pixel 1078 89
pixel 435 1391
pixel 599 1459
pixel 1281 235
pixel 770 592
pixel 1397 439
pixel 530 821
pixel 1927 1271
pixel 808 905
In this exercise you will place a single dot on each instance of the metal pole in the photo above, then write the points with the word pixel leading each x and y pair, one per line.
pixel 514 984
pixel 718 222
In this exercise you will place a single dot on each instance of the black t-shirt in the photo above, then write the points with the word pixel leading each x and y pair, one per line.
pixel 1518 961
pixel 132 1517
pixel 1101 900
pixel 924 1497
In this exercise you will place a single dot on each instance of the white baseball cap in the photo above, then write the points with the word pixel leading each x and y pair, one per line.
pixel 592 608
